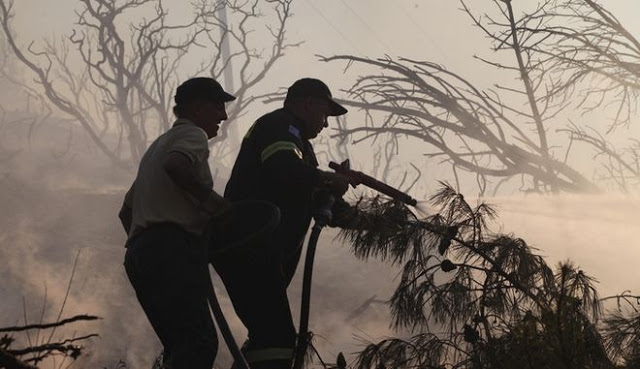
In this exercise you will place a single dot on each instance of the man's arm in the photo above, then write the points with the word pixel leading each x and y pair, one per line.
pixel 181 171
pixel 126 214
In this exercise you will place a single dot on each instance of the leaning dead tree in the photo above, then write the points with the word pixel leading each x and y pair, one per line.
pixel 470 129
pixel 518 133
pixel 116 77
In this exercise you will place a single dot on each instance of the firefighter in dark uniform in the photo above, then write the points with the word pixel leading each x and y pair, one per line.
pixel 276 163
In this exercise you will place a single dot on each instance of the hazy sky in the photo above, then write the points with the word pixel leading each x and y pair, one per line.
pixel 433 29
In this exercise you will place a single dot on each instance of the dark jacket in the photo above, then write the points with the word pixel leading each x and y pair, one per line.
pixel 276 164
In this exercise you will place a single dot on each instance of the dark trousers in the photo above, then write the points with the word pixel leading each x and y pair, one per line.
pixel 257 286
pixel 167 268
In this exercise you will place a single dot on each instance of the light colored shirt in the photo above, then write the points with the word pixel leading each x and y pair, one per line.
pixel 154 197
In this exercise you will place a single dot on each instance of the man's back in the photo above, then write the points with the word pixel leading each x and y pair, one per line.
pixel 157 198
pixel 275 164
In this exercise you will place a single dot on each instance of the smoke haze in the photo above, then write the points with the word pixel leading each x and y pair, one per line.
pixel 60 199
pixel 44 229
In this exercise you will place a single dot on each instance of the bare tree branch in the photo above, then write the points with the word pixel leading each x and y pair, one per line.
pixel 75 318
pixel 129 69
pixel 446 112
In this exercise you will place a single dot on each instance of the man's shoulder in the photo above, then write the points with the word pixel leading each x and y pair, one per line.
pixel 277 123
pixel 186 130
pixel 183 125
pixel 276 118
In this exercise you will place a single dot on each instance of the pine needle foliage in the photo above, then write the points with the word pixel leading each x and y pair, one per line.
pixel 484 300
pixel 621 331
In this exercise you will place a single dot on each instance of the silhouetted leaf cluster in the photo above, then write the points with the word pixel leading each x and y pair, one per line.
pixel 488 301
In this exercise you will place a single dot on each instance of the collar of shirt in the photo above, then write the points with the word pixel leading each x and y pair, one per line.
pixel 181 121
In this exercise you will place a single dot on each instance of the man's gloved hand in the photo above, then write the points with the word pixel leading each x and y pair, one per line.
pixel 216 205
pixel 338 184
pixel 347 216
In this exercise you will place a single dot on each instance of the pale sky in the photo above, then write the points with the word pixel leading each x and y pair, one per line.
pixel 433 29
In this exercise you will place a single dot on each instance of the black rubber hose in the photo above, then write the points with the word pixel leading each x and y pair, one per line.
pixel 246 223
pixel 239 359
pixel 322 216
pixel 303 331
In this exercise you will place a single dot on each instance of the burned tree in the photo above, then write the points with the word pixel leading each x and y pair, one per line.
pixel 251 62
pixel 127 70
pixel 507 132
pixel 591 54
pixel 593 58
pixel 110 86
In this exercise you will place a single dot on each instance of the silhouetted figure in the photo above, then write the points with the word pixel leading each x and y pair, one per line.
pixel 165 213
pixel 276 163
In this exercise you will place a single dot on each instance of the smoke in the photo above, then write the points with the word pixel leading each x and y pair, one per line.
pixel 44 235
pixel 597 232
pixel 59 210
pixel 47 230
pixel 62 209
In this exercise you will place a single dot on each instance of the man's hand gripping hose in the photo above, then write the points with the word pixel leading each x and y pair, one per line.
pixel 357 178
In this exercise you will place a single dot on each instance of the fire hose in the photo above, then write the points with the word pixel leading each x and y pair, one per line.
pixel 263 217
pixel 322 217
pixel 239 360
pixel 355 178
pixel 243 225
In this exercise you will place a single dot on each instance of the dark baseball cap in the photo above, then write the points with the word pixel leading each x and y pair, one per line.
pixel 311 87
pixel 199 88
